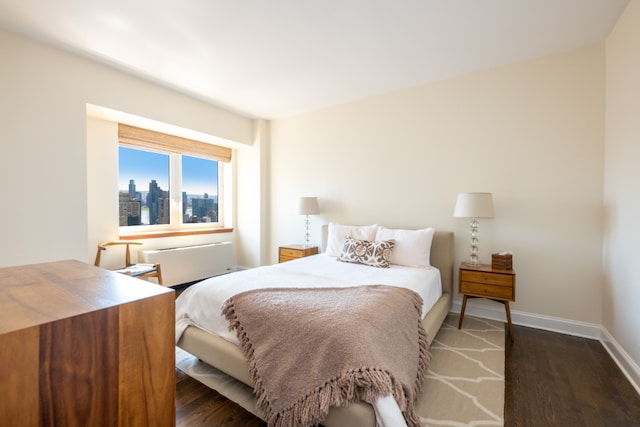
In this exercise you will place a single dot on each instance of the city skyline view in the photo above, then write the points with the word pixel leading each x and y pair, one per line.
pixel 144 190
pixel 199 176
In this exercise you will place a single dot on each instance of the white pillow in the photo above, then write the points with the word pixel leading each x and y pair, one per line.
pixel 338 234
pixel 412 248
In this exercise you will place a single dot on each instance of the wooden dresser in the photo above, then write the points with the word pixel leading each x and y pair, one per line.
pixel 83 346
pixel 291 252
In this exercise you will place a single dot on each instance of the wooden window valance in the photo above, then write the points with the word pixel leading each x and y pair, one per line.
pixel 144 138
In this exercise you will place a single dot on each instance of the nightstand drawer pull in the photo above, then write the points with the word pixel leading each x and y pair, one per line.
pixel 292 253
pixel 289 253
pixel 487 291
pixel 481 277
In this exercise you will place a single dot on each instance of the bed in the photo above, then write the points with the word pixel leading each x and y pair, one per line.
pixel 208 338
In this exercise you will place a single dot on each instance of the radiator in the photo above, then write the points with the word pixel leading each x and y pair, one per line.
pixel 190 263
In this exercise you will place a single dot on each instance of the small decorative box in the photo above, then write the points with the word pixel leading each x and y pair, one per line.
pixel 502 261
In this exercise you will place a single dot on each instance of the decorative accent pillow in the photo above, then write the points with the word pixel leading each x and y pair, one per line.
pixel 337 234
pixel 412 248
pixel 374 254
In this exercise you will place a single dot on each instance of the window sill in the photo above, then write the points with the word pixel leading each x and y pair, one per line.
pixel 174 233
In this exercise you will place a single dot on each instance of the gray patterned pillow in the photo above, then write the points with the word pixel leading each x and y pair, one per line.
pixel 374 254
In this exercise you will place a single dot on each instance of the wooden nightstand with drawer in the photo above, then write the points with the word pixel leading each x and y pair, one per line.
pixel 485 282
pixel 291 252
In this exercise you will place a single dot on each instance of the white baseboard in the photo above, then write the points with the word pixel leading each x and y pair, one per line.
pixel 629 368
pixel 547 323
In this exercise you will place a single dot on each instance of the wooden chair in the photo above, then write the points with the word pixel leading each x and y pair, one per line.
pixel 141 271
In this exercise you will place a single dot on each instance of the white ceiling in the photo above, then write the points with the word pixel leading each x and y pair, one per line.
pixel 273 58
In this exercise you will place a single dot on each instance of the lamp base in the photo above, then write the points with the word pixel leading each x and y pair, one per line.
pixel 473 261
pixel 307 235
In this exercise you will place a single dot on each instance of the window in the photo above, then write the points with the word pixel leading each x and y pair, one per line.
pixel 167 182
pixel 199 190
pixel 143 187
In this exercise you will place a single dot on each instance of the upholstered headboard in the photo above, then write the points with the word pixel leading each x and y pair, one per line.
pixel 442 258
pixel 441 255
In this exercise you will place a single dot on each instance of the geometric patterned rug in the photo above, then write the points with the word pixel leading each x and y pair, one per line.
pixel 465 381
pixel 464 385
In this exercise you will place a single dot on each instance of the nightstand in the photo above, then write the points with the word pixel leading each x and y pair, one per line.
pixel 291 252
pixel 486 282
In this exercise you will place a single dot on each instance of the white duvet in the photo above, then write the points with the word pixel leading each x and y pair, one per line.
pixel 199 305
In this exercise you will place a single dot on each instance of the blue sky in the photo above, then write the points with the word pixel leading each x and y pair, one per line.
pixel 199 176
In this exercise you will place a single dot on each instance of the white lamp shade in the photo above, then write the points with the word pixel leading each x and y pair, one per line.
pixel 308 206
pixel 474 205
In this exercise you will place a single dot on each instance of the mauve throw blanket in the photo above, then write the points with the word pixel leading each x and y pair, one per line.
pixel 310 349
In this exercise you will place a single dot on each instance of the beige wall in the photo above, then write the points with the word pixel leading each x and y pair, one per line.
pixel 252 199
pixel 47 164
pixel 531 133
pixel 621 296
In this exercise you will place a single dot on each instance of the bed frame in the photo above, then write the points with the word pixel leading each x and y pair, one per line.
pixel 228 358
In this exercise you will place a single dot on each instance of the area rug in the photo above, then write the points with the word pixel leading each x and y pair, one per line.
pixel 464 385
pixel 465 381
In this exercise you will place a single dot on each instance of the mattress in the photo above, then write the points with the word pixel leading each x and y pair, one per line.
pixel 200 304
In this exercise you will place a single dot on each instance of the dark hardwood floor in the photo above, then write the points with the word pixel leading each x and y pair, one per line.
pixel 198 405
pixel 554 379
pixel 551 380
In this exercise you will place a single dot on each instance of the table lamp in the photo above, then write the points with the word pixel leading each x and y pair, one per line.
pixel 474 205
pixel 307 206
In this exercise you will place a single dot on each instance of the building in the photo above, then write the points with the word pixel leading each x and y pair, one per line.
pixel 204 210
pixel 130 210
pixel 158 204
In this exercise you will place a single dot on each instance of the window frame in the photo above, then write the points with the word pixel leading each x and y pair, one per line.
pixel 175 147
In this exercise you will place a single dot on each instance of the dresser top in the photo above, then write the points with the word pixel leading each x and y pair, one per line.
pixel 484 267
pixel 35 294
